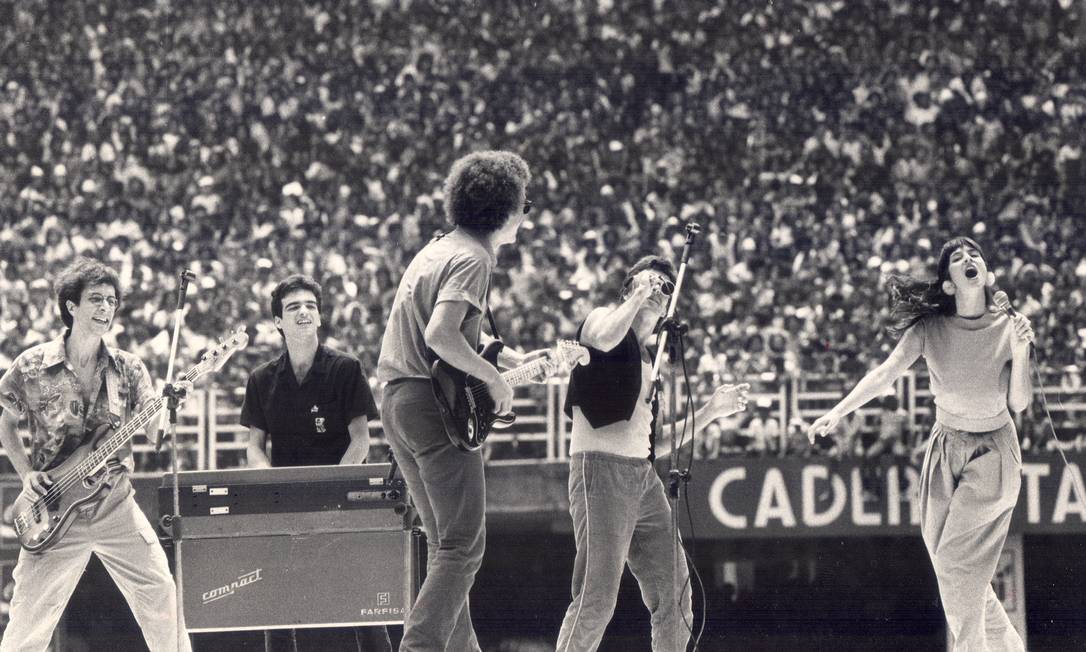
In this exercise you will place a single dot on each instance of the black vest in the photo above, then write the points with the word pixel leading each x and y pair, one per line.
pixel 607 388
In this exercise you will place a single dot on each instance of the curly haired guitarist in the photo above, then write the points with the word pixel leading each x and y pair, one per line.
pixel 439 307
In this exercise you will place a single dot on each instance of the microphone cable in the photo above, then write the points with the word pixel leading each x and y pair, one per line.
pixel 1002 302
pixel 683 477
pixel 1076 478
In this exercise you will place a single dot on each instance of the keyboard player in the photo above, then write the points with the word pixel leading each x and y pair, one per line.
pixel 313 403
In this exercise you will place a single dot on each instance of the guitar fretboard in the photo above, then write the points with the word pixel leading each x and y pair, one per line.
pixel 524 373
pixel 107 448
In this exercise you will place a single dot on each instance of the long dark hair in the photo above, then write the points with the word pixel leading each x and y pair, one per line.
pixel 912 299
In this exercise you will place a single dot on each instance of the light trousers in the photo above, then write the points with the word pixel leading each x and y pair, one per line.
pixel 621 516
pixel 968 489
pixel 448 489
pixel 128 547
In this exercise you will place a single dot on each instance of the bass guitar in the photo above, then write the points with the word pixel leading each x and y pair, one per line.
pixel 467 410
pixel 41 521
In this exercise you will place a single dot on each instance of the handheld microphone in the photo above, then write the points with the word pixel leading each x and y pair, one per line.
pixel 1004 305
pixel 1002 302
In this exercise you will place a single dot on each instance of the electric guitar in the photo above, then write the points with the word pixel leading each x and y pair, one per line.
pixel 467 411
pixel 41 521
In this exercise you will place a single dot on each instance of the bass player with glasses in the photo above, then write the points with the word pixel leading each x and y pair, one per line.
pixel 62 390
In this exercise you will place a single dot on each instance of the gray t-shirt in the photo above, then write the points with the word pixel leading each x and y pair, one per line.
pixel 455 268
pixel 969 363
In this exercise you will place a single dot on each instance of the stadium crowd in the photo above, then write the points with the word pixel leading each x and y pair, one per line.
pixel 821 145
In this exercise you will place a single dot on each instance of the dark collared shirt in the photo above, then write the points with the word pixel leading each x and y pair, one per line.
pixel 42 387
pixel 307 423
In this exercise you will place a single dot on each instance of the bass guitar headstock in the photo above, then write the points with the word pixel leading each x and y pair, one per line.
pixel 215 357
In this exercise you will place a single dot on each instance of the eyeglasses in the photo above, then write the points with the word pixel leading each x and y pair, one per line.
pixel 527 206
pixel 98 299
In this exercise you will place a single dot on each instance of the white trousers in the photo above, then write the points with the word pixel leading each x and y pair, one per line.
pixel 968 489
pixel 126 543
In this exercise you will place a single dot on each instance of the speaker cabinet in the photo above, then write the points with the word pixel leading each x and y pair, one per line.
pixel 310 580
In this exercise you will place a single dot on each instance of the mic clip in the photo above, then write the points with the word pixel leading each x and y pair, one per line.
pixel 174 394
pixel 676 330
pixel 675 326
pixel 675 477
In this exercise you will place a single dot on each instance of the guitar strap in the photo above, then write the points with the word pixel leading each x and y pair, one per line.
pixel 493 324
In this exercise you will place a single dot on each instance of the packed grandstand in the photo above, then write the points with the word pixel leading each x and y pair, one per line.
pixel 820 145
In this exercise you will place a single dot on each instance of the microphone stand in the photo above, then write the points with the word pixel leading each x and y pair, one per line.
pixel 172 522
pixel 670 342
pixel 671 333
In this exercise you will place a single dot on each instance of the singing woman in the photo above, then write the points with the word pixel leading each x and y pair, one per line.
pixel 978 361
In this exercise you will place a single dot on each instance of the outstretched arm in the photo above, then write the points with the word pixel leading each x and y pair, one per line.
pixel 877 381
pixel 725 401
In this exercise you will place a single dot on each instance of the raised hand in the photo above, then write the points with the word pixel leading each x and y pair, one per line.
pixel 645 284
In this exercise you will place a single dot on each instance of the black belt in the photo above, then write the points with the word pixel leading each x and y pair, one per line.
pixel 400 381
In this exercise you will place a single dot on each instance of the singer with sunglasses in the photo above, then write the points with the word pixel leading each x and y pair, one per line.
pixel 978 360
pixel 621 515
pixel 64 389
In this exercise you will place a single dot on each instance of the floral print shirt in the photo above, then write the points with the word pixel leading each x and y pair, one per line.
pixel 42 390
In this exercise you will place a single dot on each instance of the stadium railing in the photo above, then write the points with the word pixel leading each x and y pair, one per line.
pixel 211 437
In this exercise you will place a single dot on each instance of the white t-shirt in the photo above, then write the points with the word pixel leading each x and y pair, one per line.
pixel 628 438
